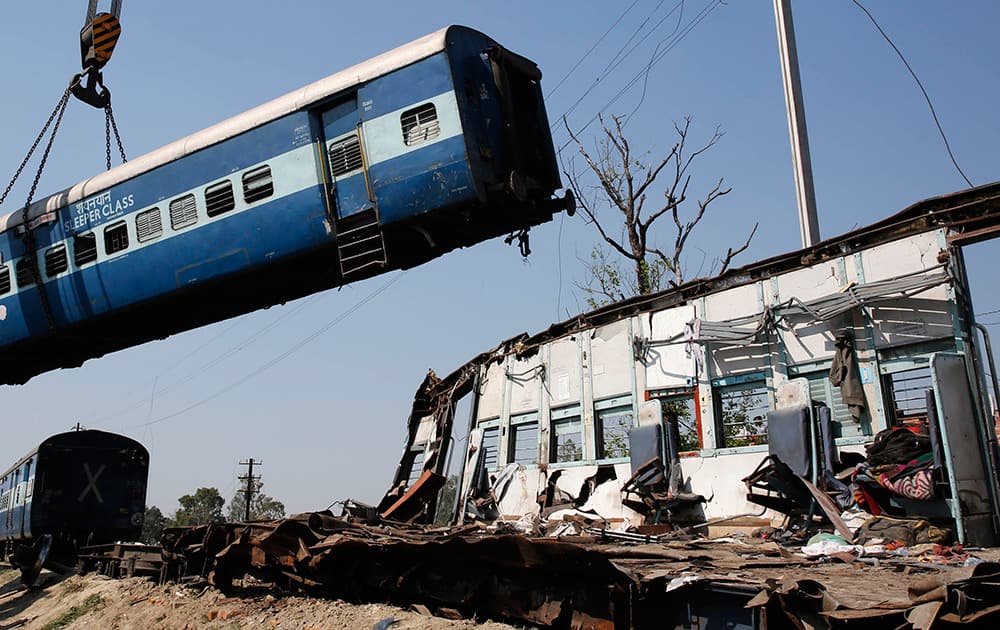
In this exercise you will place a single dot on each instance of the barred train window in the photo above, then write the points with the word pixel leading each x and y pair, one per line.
pixel 183 212
pixel 491 446
pixel 4 280
pixel 420 124
pixel 115 238
pixel 567 440
pixel 258 184
pixel 25 278
pixel 821 390
pixel 416 468
pixel 523 446
pixel 908 392
pixel 345 156
pixel 219 198
pixel 55 260
pixel 742 410
pixel 613 432
pixel 679 407
pixel 148 225
pixel 84 249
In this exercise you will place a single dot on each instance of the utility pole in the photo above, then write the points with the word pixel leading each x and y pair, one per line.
pixel 805 195
pixel 251 487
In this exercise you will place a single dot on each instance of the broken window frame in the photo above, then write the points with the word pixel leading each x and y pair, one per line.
pixel 756 420
pixel 607 415
pixel 524 454
pixel 690 430
pixel 566 416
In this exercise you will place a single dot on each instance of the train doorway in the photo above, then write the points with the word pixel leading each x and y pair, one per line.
pixel 352 192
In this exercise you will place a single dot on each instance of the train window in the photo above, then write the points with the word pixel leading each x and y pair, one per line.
pixel 420 124
pixel 84 249
pixel 257 184
pixel 183 212
pixel 55 261
pixel 25 277
pixel 115 237
pixel 345 156
pixel 219 198
pixel 4 280
pixel 148 225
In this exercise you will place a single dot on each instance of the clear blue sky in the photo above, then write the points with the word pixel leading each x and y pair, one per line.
pixel 329 421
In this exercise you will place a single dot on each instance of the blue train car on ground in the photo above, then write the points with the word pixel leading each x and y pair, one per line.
pixel 76 488
pixel 438 144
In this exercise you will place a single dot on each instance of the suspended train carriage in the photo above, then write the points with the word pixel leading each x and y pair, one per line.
pixel 438 144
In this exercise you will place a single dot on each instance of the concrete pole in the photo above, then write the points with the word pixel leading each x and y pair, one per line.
pixel 805 195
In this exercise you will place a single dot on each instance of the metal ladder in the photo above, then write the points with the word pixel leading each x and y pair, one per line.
pixel 360 244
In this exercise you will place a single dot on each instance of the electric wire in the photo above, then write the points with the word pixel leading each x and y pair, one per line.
pixel 280 357
pixel 592 48
pixel 649 67
pixel 698 19
pixel 618 58
pixel 927 98
pixel 140 400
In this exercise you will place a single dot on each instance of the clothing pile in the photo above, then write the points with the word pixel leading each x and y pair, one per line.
pixel 899 461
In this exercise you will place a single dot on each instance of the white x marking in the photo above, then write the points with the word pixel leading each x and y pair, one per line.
pixel 92 482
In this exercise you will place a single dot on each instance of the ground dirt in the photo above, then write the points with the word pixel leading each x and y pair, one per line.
pixel 95 602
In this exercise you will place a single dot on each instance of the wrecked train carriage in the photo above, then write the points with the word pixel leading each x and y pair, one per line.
pixel 569 417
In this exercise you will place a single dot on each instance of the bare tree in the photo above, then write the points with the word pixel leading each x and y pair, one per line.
pixel 623 183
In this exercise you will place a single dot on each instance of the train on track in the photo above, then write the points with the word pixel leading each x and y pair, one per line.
pixel 84 487
pixel 438 144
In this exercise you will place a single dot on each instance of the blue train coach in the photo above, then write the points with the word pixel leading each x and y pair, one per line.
pixel 438 144
pixel 76 488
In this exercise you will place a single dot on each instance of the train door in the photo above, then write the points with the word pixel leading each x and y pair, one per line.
pixel 352 192
pixel 360 244
pixel 15 492
pixel 29 483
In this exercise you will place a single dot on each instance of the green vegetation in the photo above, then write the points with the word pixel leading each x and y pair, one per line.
pixel 92 603
pixel 72 585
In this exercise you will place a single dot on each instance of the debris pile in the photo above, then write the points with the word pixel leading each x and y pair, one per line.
pixel 600 579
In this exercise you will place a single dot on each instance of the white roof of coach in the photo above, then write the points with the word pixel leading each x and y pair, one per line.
pixel 291 102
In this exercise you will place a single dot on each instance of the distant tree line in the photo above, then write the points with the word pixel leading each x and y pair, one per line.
pixel 205 506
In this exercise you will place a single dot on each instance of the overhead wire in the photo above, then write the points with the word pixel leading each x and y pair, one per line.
pixel 649 67
pixel 140 400
pixel 618 58
pixel 592 48
pixel 698 19
pixel 927 97
pixel 280 357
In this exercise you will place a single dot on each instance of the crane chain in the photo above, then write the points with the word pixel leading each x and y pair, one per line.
pixel 109 125
pixel 34 145
pixel 30 245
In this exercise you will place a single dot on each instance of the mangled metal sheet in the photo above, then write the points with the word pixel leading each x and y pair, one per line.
pixel 580 582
